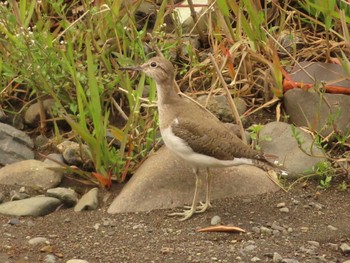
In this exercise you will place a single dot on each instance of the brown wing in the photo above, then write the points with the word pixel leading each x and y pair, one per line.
pixel 212 138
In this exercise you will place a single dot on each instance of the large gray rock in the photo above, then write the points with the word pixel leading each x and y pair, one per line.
pixel 308 109
pixel 166 181
pixel 31 173
pixel 15 145
pixel 286 148
pixel 34 206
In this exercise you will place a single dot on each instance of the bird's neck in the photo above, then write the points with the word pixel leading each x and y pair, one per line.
pixel 166 93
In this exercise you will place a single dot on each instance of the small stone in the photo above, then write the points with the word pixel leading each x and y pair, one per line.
pixel 304 229
pixel 77 261
pixel 256 229
pixel 280 205
pixel 289 260
pixel 14 221
pixel 330 227
pixel 345 248
pixel 284 210
pixel 314 243
pixel 255 259
pixel 277 258
pixel 49 259
pixel 316 205
pixel 216 220
pixel 249 248
pixel 276 226
pixel 88 201
pixel 38 240
pixel 333 246
pixel 265 230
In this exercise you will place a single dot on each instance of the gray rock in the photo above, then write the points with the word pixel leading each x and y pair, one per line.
pixel 304 109
pixel 30 173
pixel 15 145
pixel 50 258
pixel 277 258
pixel 284 210
pixel 345 248
pixel 265 230
pixel 289 260
pixel 32 114
pixel 165 181
pixel 68 196
pixel 74 153
pixel 77 261
pixel 34 206
pixel 88 201
pixel 14 222
pixel 280 205
pixel 314 243
pixel 216 220
pixel 255 259
pixel 250 248
pixel 37 240
pixel 219 106
pixel 333 228
pixel 286 148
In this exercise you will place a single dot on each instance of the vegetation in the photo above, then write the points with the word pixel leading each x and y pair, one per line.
pixel 71 51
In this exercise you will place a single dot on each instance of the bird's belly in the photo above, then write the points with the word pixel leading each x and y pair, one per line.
pixel 198 160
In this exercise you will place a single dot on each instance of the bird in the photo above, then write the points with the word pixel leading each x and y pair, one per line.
pixel 195 135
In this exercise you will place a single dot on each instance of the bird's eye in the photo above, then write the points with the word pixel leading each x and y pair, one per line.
pixel 153 64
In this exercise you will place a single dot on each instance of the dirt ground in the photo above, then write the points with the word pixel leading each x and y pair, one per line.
pixel 97 236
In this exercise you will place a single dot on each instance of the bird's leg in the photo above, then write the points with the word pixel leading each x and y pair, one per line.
pixel 204 206
pixel 187 213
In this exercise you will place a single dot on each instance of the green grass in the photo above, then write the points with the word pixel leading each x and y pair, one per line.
pixel 71 52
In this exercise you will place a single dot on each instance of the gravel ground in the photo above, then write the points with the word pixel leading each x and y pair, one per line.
pixel 304 225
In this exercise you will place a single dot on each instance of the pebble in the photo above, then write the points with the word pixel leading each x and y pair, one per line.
pixel 265 230
pixel 345 248
pixel 333 228
pixel 249 248
pixel 333 246
pixel 289 260
pixel 277 258
pixel 276 226
pixel 215 220
pixel 314 243
pixel 284 210
pixel 14 222
pixel 280 205
pixel 49 259
pixel 38 240
pixel 255 259
pixel 77 261
pixel 256 229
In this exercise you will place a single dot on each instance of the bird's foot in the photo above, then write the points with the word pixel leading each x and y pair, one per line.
pixel 201 208
pixel 186 214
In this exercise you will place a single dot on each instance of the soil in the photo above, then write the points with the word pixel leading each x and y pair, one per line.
pixel 97 236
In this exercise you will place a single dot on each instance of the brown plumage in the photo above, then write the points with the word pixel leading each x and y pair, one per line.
pixel 194 134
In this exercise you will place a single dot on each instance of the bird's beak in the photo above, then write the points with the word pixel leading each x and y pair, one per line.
pixel 135 68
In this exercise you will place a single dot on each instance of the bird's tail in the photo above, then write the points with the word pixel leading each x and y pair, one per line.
pixel 267 166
